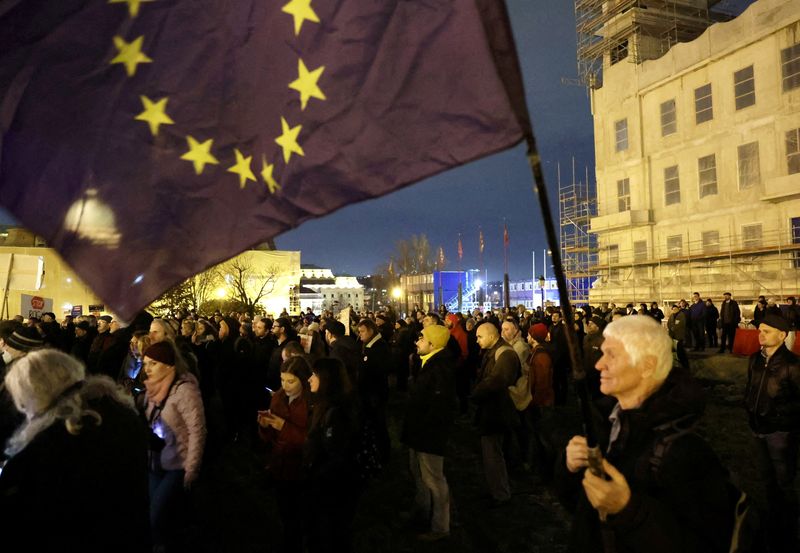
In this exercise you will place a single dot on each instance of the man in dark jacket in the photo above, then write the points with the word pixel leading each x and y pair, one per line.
pixel 676 325
pixel 343 347
pixel 681 503
pixel 107 351
pixel 712 316
pixel 263 344
pixel 772 399
pixel 82 342
pixel 559 350
pixel 373 383
pixel 429 418
pixel 496 413
pixel 729 315
pixel 697 322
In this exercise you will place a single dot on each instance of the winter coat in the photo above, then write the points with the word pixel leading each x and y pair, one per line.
pixel 729 312
pixel 431 406
pixel 286 457
pixel 682 506
pixel 500 369
pixel 79 492
pixel 697 312
pixel 346 350
pixel 541 377
pixel 183 427
pixel 373 375
pixel 591 355
pixel 329 451
pixel 677 326
pixel 772 396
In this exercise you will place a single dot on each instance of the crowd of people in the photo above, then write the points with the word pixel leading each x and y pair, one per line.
pixel 137 409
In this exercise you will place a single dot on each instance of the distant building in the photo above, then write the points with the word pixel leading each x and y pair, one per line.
pixel 697 143
pixel 532 293
pixel 320 290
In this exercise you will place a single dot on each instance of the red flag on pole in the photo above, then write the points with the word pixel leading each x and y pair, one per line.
pixel 460 249
pixel 481 243
pixel 441 258
pixel 505 235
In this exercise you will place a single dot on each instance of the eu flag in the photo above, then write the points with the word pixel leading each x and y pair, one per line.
pixel 149 139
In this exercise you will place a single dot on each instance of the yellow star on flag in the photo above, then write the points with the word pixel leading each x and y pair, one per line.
pixel 154 114
pixel 199 154
pixel 133 5
pixel 306 83
pixel 288 140
pixel 130 54
pixel 302 11
pixel 242 168
pixel 266 174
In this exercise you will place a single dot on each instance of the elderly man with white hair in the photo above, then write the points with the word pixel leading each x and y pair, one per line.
pixel 665 489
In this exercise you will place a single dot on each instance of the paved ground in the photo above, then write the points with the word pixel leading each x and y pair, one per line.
pixel 233 508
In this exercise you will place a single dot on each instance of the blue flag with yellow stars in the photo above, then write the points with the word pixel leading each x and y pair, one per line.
pixel 149 139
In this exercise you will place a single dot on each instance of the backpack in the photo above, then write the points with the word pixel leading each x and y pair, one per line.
pixel 745 536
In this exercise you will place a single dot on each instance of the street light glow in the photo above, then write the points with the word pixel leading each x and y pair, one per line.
pixel 478 283
pixel 397 292
pixel 220 292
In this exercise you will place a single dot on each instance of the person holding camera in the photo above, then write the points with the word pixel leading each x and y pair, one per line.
pixel 173 407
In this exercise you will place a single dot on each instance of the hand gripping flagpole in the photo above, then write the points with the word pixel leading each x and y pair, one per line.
pixel 595 456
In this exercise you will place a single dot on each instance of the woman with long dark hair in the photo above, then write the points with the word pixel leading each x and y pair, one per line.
pixel 284 427
pixel 333 483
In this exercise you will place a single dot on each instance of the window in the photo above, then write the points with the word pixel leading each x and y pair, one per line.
pixel 795 222
pixel 703 104
pixel 621 135
pixel 640 250
pixel 749 170
pixel 744 88
pixel 711 241
pixel 624 195
pixel 793 151
pixel 672 186
pixel 619 52
pixel 613 259
pixel 669 123
pixel 790 67
pixel 707 172
pixel 674 245
pixel 751 236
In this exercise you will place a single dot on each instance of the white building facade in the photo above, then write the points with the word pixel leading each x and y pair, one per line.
pixel 698 164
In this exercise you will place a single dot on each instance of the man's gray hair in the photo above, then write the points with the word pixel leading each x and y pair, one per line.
pixel 641 336
pixel 49 386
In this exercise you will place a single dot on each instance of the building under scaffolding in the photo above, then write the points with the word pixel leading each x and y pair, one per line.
pixel 610 31
pixel 697 149
pixel 576 207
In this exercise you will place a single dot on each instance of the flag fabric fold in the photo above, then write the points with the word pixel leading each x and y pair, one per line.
pixel 146 141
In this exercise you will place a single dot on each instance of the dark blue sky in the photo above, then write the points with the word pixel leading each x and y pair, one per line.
pixel 358 238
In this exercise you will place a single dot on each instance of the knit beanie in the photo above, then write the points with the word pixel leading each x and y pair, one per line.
pixel 538 332
pixel 437 335
pixel 25 339
pixel 163 352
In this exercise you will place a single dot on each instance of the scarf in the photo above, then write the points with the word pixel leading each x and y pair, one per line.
pixel 157 390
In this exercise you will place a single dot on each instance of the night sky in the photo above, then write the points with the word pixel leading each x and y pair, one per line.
pixel 359 238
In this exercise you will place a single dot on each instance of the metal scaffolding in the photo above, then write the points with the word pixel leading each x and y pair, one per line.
pixel 748 266
pixel 576 206
pixel 610 31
